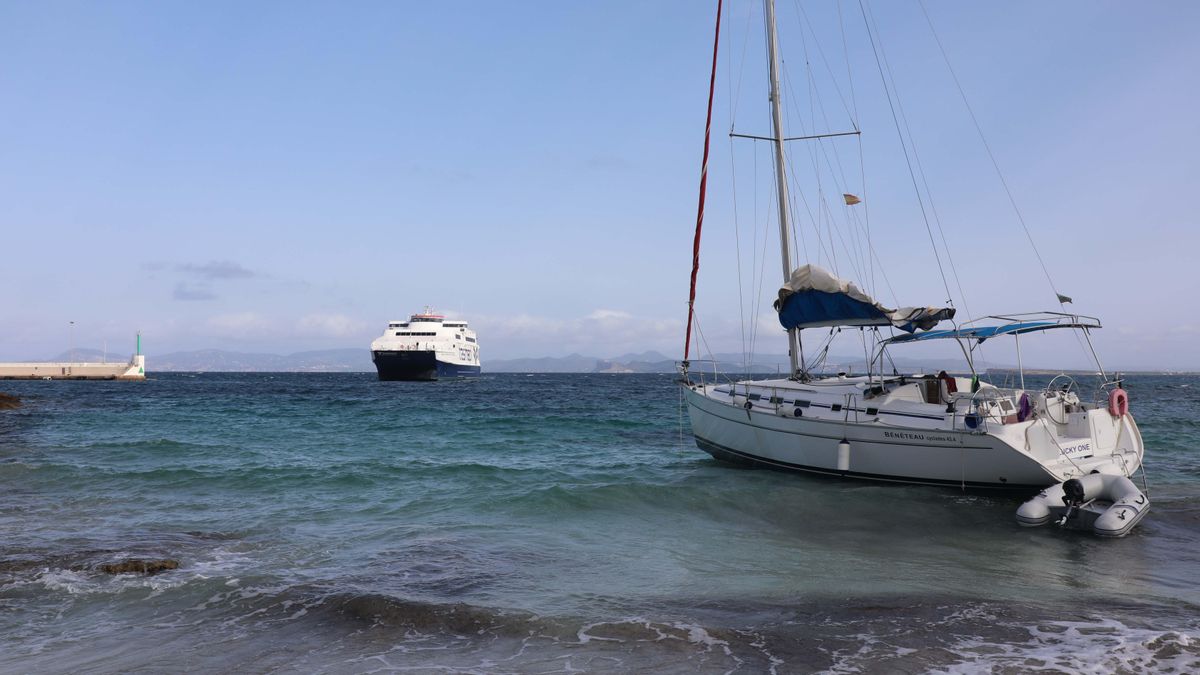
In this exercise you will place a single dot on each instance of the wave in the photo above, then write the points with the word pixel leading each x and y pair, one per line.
pixel 215 602
pixel 900 634
pixel 156 444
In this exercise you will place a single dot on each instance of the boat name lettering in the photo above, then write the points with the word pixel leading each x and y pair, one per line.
pixel 1078 448
pixel 919 437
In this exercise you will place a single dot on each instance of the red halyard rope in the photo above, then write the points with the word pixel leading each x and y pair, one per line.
pixel 712 83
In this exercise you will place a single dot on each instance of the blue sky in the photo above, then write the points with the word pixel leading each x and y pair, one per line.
pixel 289 176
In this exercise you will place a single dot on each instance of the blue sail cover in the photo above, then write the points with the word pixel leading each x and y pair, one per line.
pixel 811 308
pixel 982 333
pixel 813 297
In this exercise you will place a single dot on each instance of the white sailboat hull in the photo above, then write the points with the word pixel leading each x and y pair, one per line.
pixel 730 431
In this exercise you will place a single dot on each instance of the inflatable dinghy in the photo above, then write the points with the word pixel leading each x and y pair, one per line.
pixel 1108 505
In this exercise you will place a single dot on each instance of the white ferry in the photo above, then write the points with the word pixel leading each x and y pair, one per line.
pixel 426 347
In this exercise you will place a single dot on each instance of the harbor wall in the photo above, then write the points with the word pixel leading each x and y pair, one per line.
pixel 134 369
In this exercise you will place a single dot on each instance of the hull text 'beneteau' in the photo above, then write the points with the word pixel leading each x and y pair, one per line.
pixel 925 427
pixel 426 347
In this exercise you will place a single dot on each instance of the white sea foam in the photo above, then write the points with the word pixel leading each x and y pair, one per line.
pixel 1100 645
pixel 872 651
pixel 69 581
pixel 697 635
pixel 585 638
pixel 77 582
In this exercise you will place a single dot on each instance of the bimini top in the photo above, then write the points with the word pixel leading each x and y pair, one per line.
pixel 1036 323
pixel 813 297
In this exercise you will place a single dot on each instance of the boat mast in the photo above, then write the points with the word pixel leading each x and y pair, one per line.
pixel 785 241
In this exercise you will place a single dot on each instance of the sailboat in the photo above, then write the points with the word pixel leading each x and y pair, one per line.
pixel 920 428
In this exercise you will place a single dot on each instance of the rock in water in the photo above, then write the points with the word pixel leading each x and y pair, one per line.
pixel 8 402
pixel 137 566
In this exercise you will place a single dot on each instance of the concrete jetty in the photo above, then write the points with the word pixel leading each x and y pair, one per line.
pixel 134 369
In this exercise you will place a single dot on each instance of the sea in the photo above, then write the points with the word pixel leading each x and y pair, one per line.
pixel 543 523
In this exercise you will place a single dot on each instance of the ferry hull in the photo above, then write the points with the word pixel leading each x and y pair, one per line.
pixel 417 365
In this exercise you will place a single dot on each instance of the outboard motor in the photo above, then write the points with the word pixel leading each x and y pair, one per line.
pixel 1073 493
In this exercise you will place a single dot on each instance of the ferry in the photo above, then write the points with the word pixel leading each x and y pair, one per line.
pixel 426 347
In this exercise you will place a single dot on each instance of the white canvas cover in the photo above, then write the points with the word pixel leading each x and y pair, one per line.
pixel 826 300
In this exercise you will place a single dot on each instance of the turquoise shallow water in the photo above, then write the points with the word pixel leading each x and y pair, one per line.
pixel 541 523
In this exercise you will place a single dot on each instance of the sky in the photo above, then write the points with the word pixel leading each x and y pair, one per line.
pixel 282 177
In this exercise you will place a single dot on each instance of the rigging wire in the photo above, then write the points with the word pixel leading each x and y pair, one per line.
pixel 1059 297
pixel 822 150
pixel 921 171
pixel 736 96
pixel 737 243
pixel 862 165
pixel 754 263
pixel 824 213
pixel 858 231
pixel 907 159
pixel 794 182
pixel 806 23
pixel 808 208
pixel 849 74
pixel 854 252
pixel 762 268
pixel 991 156
pixel 821 248
pixel 704 341
pixel 737 236
pixel 816 219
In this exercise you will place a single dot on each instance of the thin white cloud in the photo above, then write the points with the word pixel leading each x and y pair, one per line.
pixel 189 292
pixel 330 326
pixel 608 315
pixel 601 332
pixel 218 269
pixel 240 326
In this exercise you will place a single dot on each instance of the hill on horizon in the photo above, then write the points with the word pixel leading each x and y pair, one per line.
pixel 358 360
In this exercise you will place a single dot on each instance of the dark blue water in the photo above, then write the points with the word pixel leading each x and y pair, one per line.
pixel 541 523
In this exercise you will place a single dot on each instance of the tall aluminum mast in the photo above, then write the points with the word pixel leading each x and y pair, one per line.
pixel 785 239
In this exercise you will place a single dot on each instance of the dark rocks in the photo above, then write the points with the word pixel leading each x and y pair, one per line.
pixel 9 402
pixel 138 566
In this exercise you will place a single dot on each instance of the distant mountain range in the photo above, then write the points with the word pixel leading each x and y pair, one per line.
pixel 359 360
pixel 218 360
